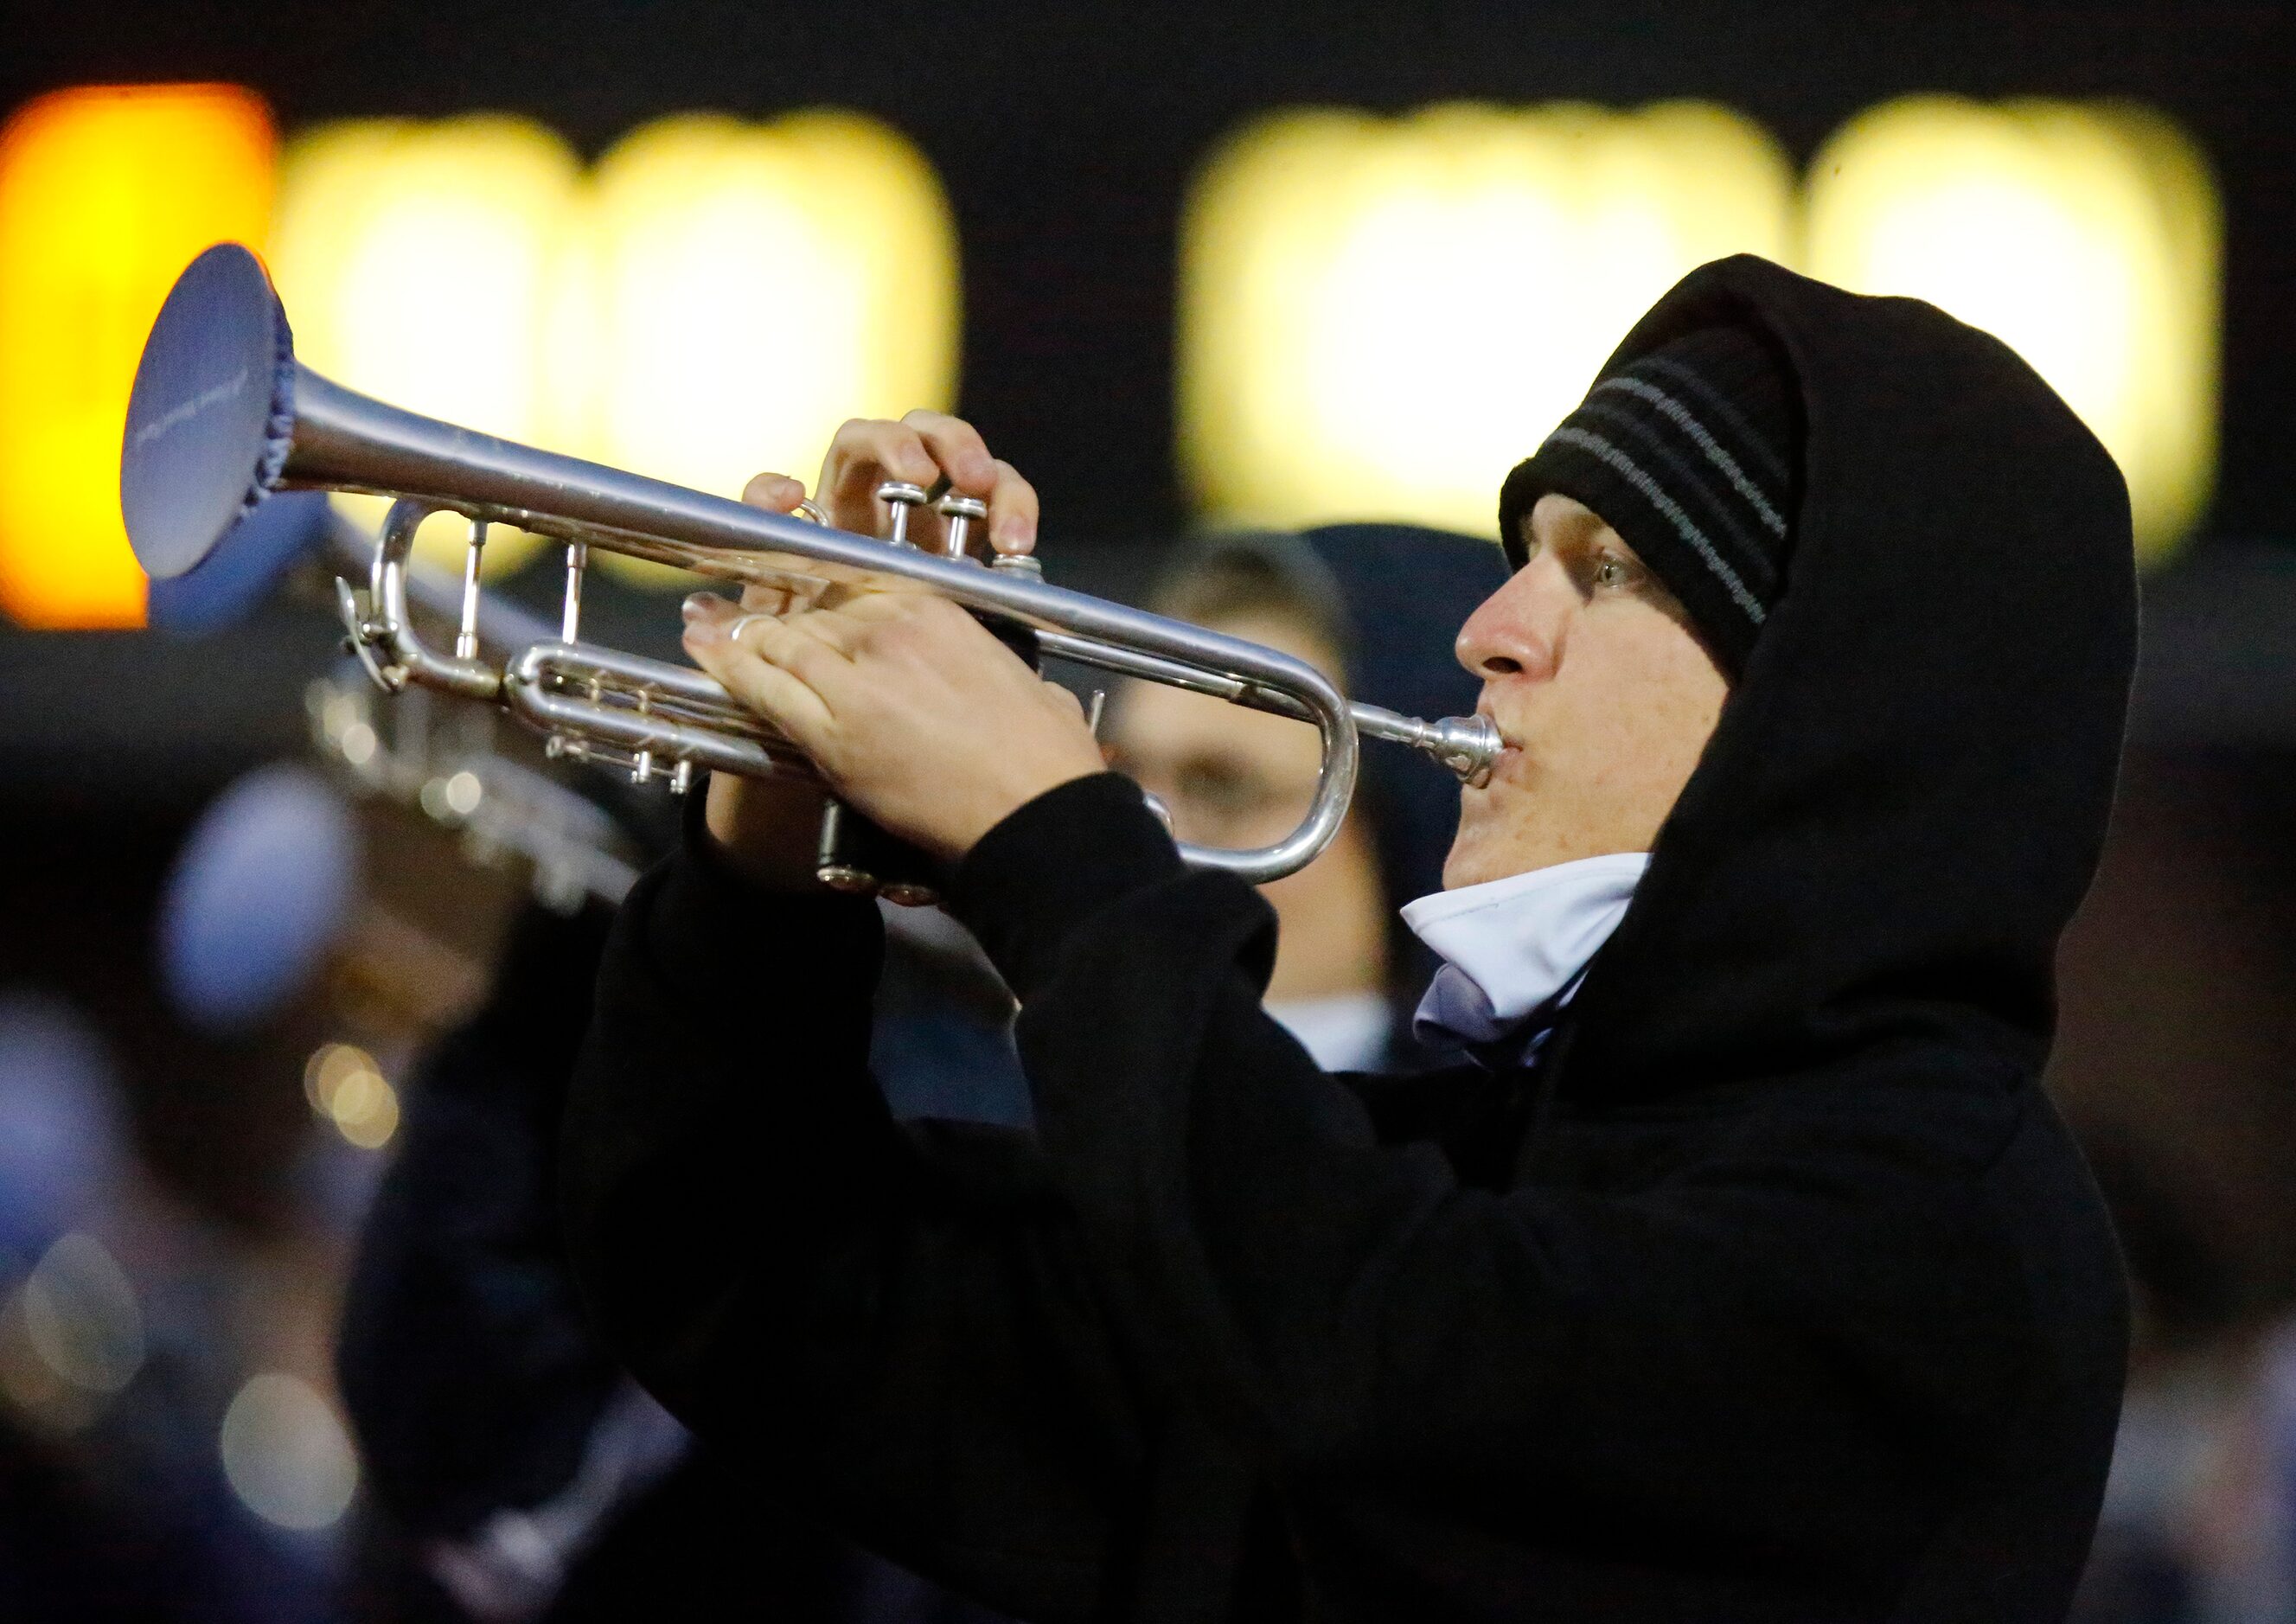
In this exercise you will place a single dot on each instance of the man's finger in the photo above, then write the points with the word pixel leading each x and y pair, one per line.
pixel 1011 511
pixel 775 492
pixel 957 448
pixel 865 453
pixel 774 598
pixel 870 626
pixel 778 695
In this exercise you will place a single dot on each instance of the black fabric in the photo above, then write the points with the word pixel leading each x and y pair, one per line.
pixel 1779 1293
pixel 1691 451
pixel 466 1366
pixel 475 1382
pixel 469 1371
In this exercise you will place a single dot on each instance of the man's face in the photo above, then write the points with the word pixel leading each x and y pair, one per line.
pixel 1604 697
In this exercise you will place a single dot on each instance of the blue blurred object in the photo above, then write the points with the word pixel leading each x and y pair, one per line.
pixel 61 1144
pixel 222 588
pixel 263 888
pixel 208 419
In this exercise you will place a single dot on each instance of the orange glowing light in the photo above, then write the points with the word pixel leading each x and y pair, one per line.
pixel 106 192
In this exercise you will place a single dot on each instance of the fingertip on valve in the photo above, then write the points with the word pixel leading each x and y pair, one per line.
pixel 776 491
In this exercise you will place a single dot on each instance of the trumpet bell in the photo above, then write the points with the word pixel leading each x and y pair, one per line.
pixel 244 567
pixel 211 418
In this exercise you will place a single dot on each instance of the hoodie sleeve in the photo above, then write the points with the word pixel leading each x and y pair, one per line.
pixel 1753 1347
pixel 893 1322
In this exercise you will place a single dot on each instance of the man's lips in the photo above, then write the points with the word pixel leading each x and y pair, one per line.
pixel 1510 753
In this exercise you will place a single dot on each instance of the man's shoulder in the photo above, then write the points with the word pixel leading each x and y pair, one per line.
pixel 1920 1129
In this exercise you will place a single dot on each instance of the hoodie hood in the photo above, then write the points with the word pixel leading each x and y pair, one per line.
pixel 1906 795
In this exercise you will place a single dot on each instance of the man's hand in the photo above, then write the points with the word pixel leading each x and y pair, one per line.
pixel 906 705
pixel 914 714
pixel 922 449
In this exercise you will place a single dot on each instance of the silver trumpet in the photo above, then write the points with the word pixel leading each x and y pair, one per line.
pixel 222 416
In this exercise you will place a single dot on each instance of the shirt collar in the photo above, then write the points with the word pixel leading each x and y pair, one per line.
pixel 1346 1031
pixel 1515 948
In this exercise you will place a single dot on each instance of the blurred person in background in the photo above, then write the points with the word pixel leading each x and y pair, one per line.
pixel 515 1473
pixel 1745 1270
pixel 163 1347
pixel 2146 1564
pixel 2199 1521
pixel 75 1542
pixel 1346 975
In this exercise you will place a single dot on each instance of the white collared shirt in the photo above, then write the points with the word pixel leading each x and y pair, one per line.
pixel 1344 1031
pixel 1513 947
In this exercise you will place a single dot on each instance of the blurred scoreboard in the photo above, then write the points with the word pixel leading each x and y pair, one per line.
pixel 1379 317
pixel 1376 316
pixel 712 299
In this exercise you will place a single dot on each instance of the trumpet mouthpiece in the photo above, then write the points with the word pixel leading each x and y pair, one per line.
pixel 1469 745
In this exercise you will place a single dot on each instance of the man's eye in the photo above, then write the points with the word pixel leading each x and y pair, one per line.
pixel 1614 572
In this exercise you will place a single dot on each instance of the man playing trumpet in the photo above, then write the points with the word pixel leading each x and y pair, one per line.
pixel 1740 1270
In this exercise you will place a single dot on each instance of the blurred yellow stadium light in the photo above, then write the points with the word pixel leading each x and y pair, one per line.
pixel 427 264
pixel 106 194
pixel 757 286
pixel 714 301
pixel 1380 317
pixel 2087 237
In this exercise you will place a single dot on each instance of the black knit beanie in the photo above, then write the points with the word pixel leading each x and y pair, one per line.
pixel 1693 453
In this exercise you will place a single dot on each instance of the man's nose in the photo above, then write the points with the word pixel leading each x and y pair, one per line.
pixel 1518 630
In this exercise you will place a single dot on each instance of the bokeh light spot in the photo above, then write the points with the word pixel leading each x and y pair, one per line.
pixel 1380 317
pixel 106 193
pixel 2086 237
pixel 346 1088
pixel 287 1455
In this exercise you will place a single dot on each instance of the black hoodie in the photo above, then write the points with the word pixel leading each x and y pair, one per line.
pixel 1778 1292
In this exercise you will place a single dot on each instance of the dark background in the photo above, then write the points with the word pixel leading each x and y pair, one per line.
pixel 1067 135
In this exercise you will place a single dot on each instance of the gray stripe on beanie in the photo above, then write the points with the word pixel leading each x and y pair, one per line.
pixel 1722 407
pixel 1668 509
pixel 1753 564
pixel 1689 424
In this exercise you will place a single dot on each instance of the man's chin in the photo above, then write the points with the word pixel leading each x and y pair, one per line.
pixel 1498 841
pixel 1478 853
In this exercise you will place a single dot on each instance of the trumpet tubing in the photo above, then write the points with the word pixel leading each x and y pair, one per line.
pixel 222 415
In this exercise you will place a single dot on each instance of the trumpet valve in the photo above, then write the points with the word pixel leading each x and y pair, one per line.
pixel 901 499
pixel 960 514
pixel 466 636
pixel 1026 565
